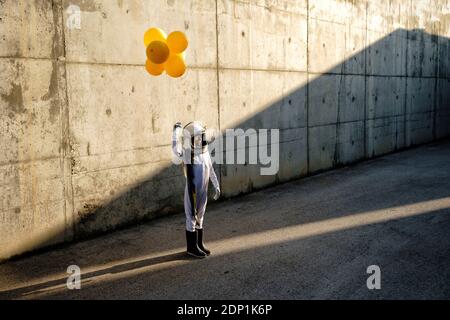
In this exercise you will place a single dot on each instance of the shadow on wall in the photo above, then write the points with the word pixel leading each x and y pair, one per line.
pixel 353 112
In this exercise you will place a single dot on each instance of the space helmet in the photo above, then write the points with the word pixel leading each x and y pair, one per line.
pixel 194 134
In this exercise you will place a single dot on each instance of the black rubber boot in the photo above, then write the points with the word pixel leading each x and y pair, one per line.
pixel 200 242
pixel 192 247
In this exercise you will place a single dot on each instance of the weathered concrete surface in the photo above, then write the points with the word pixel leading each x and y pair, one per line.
pixel 85 144
pixel 112 31
pixel 267 35
pixel 313 238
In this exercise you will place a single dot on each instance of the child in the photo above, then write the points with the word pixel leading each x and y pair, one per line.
pixel 198 170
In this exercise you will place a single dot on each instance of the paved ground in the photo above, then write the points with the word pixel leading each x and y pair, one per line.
pixel 313 238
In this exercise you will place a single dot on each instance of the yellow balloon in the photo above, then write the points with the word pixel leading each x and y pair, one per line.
pixel 175 66
pixel 153 68
pixel 157 52
pixel 154 34
pixel 177 42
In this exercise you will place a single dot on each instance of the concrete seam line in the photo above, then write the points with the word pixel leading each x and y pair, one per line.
pixel 218 84
pixel 365 85
pixel 307 86
pixel 65 125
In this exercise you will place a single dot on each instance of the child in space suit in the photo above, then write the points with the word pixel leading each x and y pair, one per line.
pixel 190 145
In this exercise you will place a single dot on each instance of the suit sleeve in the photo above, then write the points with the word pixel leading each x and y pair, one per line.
pixel 212 174
pixel 177 148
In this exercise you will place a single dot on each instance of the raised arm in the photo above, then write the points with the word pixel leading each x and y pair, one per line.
pixel 177 147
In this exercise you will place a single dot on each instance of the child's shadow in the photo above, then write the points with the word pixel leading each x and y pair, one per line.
pixel 88 277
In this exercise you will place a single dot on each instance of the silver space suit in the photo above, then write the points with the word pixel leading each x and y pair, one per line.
pixel 189 144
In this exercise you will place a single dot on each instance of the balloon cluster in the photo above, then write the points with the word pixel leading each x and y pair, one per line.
pixel 165 53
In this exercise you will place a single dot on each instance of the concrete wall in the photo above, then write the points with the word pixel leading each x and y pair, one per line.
pixel 85 144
